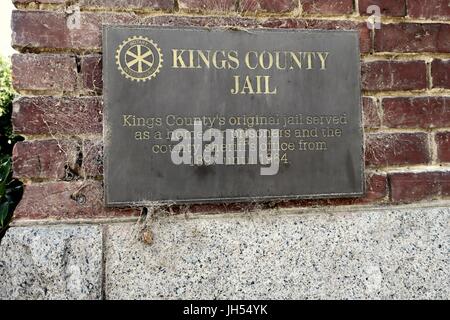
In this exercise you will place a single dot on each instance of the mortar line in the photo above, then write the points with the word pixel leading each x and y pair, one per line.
pixel 432 145
pixel 356 7
pixel 429 75
pixel 440 92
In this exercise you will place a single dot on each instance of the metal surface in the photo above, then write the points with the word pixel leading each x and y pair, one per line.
pixel 327 85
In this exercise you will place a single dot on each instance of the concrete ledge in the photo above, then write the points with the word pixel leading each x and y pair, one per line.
pixel 391 254
pixel 57 262
pixel 388 254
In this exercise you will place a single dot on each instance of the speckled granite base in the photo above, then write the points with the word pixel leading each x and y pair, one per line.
pixel 392 254
pixel 54 262
pixel 380 254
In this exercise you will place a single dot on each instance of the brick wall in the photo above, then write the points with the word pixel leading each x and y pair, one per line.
pixel 58 75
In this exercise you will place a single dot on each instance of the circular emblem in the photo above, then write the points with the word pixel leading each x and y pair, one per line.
pixel 139 58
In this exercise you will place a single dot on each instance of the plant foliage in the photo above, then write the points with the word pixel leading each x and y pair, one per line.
pixel 10 189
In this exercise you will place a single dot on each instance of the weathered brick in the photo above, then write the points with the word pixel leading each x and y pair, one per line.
pixel 278 6
pixel 45 29
pixel 48 29
pixel 91 73
pixel 440 73
pixel 364 32
pixel 423 112
pixel 444 181
pixel 61 200
pixel 92 158
pixel 391 8
pixel 50 115
pixel 413 37
pixel 387 149
pixel 442 140
pixel 411 187
pixel 116 4
pixel 371 117
pixel 44 72
pixel 376 187
pixel 207 5
pixel 429 9
pixel 58 159
pixel 51 159
pixel 327 7
pixel 39 1
pixel 394 75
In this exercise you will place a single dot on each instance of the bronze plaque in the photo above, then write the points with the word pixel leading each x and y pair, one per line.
pixel 202 115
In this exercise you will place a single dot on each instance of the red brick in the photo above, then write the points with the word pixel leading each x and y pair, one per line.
pixel 364 32
pixel 34 29
pixel 61 200
pixel 39 1
pixel 429 9
pixel 440 73
pixel 327 7
pixel 371 117
pixel 92 158
pixel 46 159
pixel 58 159
pixel 91 73
pixel 426 112
pixel 387 149
pixel 413 37
pixel 45 29
pixel 411 187
pixel 44 72
pixel 444 181
pixel 394 75
pixel 117 4
pixel 442 140
pixel 376 187
pixel 279 6
pixel 396 8
pixel 50 115
pixel 376 190
pixel 207 5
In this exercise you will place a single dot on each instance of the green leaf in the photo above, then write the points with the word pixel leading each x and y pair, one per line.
pixel 5 170
pixel 4 213
pixel 11 190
